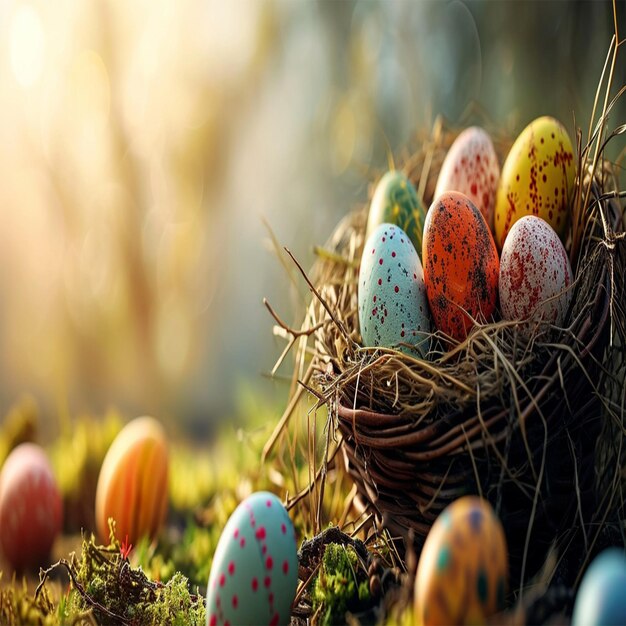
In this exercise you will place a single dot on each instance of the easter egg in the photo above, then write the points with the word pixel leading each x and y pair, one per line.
pixel 461 265
pixel 254 573
pixel 132 485
pixel 31 509
pixel 462 572
pixel 471 167
pixel 537 178
pixel 601 598
pixel 535 274
pixel 395 201
pixel 393 311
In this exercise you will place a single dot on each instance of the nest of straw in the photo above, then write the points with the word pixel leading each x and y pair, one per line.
pixel 537 426
pixel 516 421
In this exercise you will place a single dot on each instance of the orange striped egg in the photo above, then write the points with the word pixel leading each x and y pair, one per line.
pixel 132 486
pixel 463 568
pixel 461 265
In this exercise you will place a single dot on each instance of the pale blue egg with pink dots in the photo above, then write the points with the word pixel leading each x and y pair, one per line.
pixel 254 574
pixel 393 307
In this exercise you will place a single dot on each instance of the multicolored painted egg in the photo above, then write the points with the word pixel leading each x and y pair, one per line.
pixel 133 482
pixel 537 178
pixel 462 574
pixel 31 509
pixel 601 598
pixel 471 167
pixel 461 265
pixel 395 201
pixel 255 568
pixel 535 274
pixel 393 310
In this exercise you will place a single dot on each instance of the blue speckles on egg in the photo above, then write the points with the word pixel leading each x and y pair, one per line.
pixel 393 309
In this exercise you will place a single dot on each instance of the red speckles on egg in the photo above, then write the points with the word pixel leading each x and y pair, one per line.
pixel 391 293
pixel 471 167
pixel 534 270
pixel 461 265
pixel 538 175
pixel 253 582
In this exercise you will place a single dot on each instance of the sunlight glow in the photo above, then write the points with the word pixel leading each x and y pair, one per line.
pixel 27 45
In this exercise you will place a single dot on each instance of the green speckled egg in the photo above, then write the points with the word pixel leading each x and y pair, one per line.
pixel 395 201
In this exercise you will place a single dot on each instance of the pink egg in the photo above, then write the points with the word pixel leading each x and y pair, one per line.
pixel 471 167
pixel 31 510
pixel 535 274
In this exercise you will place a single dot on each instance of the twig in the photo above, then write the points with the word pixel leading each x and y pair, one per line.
pixel 302 332
pixel 44 574
pixel 317 294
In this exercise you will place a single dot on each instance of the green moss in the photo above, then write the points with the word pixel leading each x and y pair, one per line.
pixel 106 586
pixel 342 585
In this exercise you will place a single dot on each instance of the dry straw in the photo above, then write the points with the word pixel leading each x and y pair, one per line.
pixel 536 426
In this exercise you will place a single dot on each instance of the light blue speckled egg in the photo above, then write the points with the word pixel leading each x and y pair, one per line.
pixel 393 309
pixel 255 568
pixel 601 598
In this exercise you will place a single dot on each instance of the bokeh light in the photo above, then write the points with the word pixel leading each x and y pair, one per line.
pixel 144 146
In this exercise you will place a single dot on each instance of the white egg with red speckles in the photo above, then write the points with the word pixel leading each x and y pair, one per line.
pixel 255 567
pixel 535 274
pixel 471 167
pixel 393 309
pixel 31 508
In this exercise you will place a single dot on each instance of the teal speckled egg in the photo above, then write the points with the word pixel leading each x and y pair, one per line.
pixel 395 201
pixel 393 309
pixel 601 598
pixel 255 568
pixel 463 569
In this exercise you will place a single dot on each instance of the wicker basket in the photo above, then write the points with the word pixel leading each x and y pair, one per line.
pixel 532 426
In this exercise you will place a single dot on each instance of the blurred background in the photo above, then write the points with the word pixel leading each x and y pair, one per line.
pixel 147 146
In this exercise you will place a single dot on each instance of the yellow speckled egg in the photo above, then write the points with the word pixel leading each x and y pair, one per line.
pixel 132 486
pixel 462 573
pixel 537 178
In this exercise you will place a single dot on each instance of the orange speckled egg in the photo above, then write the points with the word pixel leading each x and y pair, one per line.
pixel 462 573
pixel 132 486
pixel 461 265
pixel 537 178
pixel 31 509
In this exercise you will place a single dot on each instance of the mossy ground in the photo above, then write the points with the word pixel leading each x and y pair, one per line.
pixel 164 581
